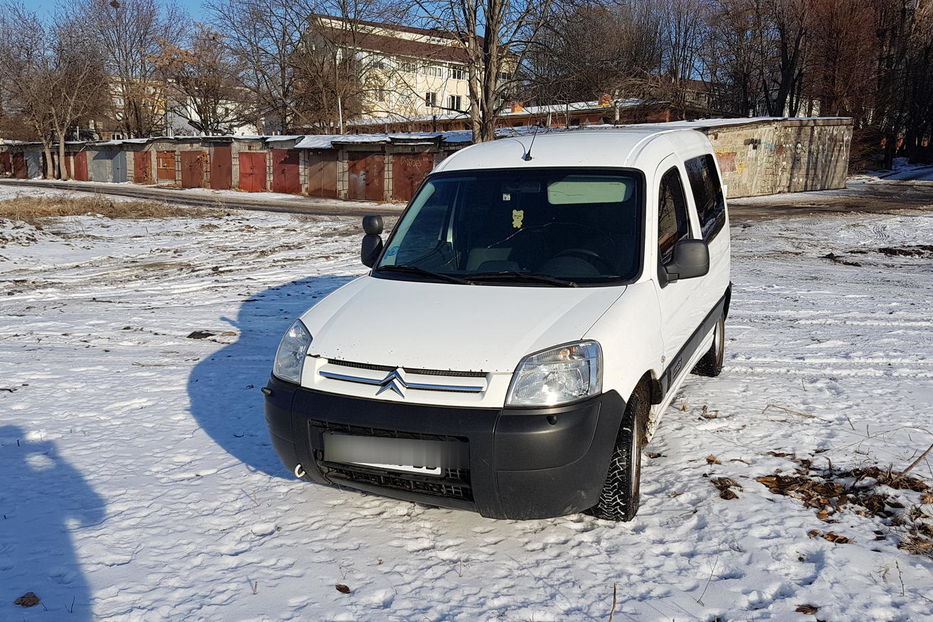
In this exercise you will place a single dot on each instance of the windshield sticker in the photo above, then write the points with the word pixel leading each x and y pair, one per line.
pixel 506 197
pixel 517 217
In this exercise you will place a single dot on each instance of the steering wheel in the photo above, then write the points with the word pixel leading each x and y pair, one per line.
pixel 586 255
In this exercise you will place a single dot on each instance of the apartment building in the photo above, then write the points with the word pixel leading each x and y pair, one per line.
pixel 407 71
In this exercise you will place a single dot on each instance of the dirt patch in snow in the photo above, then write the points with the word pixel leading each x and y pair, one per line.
pixel 920 250
pixel 901 501
pixel 34 210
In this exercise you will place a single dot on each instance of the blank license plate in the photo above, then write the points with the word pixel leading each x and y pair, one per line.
pixel 397 454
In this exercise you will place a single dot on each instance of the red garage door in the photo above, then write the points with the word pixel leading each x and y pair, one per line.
pixel 192 169
pixel 408 171
pixel 6 164
pixel 252 171
pixel 142 167
pixel 367 176
pixel 19 166
pixel 80 164
pixel 222 168
pixel 165 166
pixel 286 175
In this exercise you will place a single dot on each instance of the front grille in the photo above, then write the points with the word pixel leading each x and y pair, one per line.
pixel 426 485
pixel 360 365
pixel 454 483
pixel 410 370
pixel 359 430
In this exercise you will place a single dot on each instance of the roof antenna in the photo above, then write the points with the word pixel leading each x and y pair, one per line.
pixel 527 156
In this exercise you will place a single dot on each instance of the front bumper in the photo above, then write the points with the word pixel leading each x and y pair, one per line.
pixel 523 463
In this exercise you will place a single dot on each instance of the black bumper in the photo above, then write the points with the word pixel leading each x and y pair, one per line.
pixel 523 462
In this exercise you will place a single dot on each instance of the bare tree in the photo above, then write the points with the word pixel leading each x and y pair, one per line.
pixel 53 75
pixel 76 80
pixel 263 35
pixel 684 36
pixel 842 74
pixel 25 72
pixel 339 66
pixel 201 84
pixel 307 62
pixel 496 36
pixel 131 33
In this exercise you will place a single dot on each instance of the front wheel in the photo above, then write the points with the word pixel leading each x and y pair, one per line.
pixel 619 497
pixel 711 363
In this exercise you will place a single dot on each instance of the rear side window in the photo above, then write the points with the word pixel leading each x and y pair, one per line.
pixel 673 222
pixel 707 194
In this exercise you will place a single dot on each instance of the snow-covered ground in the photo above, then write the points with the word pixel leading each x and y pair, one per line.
pixel 903 171
pixel 137 481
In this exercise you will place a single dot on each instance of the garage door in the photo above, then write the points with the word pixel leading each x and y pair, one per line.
pixel 367 176
pixel 286 175
pixel 252 171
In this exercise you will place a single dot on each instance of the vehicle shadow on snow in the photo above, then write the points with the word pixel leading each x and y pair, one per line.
pixel 42 500
pixel 223 390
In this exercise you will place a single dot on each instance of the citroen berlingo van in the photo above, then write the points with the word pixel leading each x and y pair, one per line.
pixel 521 330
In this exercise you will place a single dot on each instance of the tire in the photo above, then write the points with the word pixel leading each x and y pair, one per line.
pixel 619 497
pixel 711 363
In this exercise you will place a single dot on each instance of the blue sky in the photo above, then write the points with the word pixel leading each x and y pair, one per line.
pixel 46 7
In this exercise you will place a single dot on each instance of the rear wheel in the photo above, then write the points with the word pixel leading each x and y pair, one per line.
pixel 711 363
pixel 619 497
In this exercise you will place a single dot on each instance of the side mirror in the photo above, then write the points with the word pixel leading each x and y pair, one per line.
pixel 690 260
pixel 372 242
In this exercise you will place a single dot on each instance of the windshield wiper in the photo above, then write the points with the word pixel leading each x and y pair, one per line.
pixel 515 275
pixel 422 272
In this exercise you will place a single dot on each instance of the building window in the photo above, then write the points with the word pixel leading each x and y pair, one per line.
pixel 434 71
pixel 456 73
pixel 454 101
pixel 430 99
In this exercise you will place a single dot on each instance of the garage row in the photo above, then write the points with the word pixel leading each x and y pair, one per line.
pixel 378 167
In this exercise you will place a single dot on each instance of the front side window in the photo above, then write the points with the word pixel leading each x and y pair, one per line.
pixel 535 227
pixel 707 194
pixel 673 220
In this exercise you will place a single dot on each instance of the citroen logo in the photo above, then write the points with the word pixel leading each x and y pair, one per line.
pixel 394 382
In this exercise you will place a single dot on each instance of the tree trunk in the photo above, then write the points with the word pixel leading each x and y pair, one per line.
pixel 62 163
pixel 49 171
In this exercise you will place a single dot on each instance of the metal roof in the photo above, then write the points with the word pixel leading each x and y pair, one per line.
pixel 633 146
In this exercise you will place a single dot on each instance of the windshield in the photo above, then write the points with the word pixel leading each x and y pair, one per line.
pixel 544 226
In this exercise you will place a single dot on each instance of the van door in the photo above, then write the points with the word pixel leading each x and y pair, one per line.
pixel 713 220
pixel 681 314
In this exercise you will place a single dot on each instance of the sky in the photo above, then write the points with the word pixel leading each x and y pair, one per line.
pixel 47 7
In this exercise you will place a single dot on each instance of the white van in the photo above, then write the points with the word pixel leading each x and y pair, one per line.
pixel 522 329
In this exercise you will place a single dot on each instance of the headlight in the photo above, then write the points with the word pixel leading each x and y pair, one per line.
pixel 292 352
pixel 557 376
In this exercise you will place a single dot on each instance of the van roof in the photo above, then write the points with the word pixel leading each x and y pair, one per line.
pixel 630 147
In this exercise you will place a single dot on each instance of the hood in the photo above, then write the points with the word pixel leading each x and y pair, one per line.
pixel 448 326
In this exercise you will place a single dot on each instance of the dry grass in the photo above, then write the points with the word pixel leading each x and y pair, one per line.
pixel 896 498
pixel 33 210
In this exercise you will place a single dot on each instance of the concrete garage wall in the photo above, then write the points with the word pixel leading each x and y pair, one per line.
pixel 783 155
